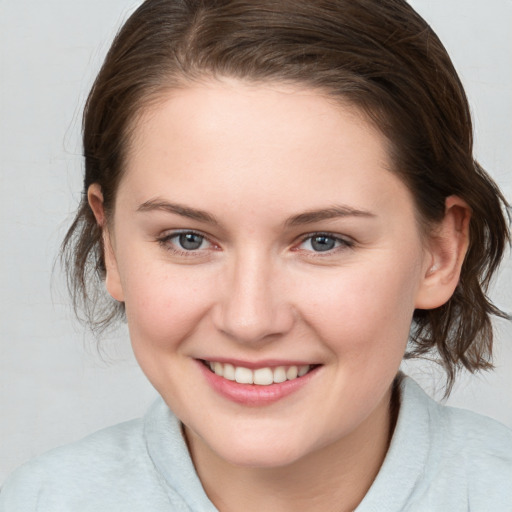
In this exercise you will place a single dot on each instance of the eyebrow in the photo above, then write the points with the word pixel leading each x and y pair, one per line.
pixel 177 209
pixel 307 217
pixel 333 212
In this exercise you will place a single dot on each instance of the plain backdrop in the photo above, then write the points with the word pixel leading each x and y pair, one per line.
pixel 55 387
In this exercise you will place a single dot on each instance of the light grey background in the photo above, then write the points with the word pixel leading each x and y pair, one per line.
pixel 54 387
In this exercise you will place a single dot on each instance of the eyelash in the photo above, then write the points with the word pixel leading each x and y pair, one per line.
pixel 343 244
pixel 165 242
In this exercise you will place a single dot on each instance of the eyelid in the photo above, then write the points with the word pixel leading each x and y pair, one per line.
pixel 165 238
pixel 345 242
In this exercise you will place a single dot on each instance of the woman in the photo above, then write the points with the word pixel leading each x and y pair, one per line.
pixel 274 193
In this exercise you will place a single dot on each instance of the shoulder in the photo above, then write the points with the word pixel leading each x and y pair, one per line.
pixel 459 431
pixel 441 458
pixel 103 464
pixel 90 457
pixel 474 434
pixel 135 466
pixel 468 456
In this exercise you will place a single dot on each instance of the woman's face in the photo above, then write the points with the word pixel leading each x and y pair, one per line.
pixel 257 230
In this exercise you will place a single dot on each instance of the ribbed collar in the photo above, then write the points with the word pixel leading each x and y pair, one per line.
pixel 407 455
pixel 169 453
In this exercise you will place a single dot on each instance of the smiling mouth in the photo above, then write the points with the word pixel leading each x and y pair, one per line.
pixel 260 376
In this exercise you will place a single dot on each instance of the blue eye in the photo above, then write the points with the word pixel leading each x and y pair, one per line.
pixel 190 241
pixel 184 242
pixel 322 242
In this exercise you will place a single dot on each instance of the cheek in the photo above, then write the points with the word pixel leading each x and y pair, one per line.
pixel 164 305
pixel 365 312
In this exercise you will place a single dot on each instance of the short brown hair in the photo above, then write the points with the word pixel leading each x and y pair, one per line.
pixel 378 55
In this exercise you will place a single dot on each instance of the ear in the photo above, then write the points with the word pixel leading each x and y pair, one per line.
pixel 446 249
pixel 112 279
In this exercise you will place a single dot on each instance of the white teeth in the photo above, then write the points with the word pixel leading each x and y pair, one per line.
pixel 280 374
pixel 217 368
pixel 229 371
pixel 303 370
pixel 291 373
pixel 244 375
pixel 261 376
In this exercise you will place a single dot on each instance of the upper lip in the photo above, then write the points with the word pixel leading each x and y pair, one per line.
pixel 263 363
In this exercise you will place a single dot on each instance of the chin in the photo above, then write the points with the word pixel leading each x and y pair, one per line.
pixel 257 450
pixel 262 458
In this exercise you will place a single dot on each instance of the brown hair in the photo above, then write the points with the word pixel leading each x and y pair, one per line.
pixel 379 55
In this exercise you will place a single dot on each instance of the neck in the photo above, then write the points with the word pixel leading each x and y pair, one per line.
pixel 335 478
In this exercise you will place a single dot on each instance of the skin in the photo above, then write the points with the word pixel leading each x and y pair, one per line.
pixel 252 158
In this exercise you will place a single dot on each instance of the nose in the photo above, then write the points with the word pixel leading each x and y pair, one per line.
pixel 253 307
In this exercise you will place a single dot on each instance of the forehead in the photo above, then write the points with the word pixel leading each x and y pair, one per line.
pixel 253 142
pixel 270 111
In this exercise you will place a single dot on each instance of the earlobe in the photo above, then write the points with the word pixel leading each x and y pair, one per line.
pixel 447 247
pixel 112 278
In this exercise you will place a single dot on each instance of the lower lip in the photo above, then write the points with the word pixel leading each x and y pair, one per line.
pixel 252 394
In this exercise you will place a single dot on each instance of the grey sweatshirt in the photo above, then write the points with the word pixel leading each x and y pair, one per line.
pixel 440 459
